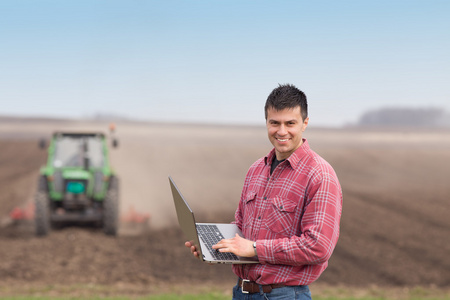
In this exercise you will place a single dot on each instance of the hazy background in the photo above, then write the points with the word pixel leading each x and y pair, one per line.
pixel 366 63
pixel 216 61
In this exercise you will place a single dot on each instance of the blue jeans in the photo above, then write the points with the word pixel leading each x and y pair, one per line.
pixel 301 292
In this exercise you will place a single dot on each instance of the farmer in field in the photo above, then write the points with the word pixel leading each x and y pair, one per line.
pixel 289 210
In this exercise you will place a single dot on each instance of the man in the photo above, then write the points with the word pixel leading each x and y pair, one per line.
pixel 289 210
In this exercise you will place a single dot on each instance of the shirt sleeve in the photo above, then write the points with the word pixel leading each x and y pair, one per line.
pixel 238 217
pixel 319 227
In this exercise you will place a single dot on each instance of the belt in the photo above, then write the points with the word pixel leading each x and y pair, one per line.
pixel 250 287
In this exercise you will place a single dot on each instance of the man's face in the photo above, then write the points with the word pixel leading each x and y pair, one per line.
pixel 285 128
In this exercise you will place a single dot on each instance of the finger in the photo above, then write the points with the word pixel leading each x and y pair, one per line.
pixel 219 245
pixel 196 254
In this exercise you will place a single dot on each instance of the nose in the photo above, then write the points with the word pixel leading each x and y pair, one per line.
pixel 282 130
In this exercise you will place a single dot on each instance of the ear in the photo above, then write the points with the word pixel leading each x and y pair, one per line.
pixel 305 124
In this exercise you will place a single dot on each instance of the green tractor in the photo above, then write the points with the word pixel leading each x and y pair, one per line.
pixel 77 184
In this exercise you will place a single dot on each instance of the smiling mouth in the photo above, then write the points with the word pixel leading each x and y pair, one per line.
pixel 282 140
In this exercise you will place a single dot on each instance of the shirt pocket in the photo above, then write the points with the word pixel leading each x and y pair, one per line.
pixel 281 216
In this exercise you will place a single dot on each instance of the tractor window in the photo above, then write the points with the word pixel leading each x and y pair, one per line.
pixel 95 152
pixel 70 151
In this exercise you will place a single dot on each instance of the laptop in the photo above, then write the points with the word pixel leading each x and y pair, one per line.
pixel 205 235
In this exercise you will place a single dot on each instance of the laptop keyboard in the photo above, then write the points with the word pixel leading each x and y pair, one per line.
pixel 210 235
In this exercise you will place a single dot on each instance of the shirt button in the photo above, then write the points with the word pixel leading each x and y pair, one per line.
pixel 265 198
pixel 259 218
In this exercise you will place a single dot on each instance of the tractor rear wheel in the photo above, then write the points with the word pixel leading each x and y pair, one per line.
pixel 111 208
pixel 42 209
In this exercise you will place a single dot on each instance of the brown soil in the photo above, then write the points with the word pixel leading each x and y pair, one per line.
pixel 394 228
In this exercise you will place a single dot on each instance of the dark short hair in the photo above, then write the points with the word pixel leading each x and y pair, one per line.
pixel 287 96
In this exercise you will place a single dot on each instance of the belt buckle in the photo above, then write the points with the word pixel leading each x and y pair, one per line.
pixel 242 286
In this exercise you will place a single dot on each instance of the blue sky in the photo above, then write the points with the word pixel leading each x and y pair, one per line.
pixel 216 61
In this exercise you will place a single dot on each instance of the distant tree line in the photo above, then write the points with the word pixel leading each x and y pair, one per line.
pixel 405 117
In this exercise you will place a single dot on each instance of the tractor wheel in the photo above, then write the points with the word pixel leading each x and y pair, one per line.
pixel 111 208
pixel 42 209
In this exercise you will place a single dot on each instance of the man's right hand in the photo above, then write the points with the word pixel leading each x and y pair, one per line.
pixel 194 251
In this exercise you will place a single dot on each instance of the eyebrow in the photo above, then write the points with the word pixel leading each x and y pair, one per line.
pixel 288 121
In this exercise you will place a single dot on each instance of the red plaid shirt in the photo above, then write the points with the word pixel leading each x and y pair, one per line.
pixel 293 215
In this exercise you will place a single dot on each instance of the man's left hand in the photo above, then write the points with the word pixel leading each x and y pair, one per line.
pixel 236 245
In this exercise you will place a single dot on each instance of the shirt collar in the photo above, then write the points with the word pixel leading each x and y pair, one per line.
pixel 295 157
